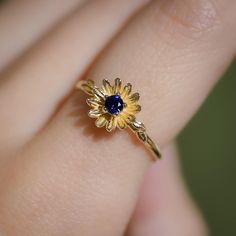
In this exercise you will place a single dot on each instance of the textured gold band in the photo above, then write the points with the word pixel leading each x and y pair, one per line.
pixel 139 129
pixel 88 86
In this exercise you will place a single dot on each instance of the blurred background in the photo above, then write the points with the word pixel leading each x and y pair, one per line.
pixel 208 153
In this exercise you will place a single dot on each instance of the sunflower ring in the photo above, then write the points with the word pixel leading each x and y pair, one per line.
pixel 115 107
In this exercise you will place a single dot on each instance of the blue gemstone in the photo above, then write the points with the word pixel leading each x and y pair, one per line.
pixel 114 104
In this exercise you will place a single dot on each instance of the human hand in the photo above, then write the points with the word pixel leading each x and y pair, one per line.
pixel 59 174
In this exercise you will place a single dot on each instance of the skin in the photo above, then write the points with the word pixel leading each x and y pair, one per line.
pixel 62 176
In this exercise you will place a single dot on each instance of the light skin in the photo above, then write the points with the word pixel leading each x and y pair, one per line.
pixel 62 176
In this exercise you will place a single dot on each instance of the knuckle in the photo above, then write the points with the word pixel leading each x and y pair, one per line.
pixel 190 16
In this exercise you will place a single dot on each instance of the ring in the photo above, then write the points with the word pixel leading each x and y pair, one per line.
pixel 115 107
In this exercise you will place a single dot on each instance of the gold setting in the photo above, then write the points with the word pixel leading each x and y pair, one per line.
pixel 125 118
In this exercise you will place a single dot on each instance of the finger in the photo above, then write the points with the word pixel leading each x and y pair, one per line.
pixel 174 66
pixel 24 22
pixel 165 207
pixel 48 72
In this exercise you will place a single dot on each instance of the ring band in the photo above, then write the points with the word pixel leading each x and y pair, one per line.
pixel 115 107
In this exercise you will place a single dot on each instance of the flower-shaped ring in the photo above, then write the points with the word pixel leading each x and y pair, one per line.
pixel 115 107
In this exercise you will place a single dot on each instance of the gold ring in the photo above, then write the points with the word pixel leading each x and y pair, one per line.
pixel 116 107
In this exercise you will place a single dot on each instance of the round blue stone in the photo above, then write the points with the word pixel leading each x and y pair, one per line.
pixel 114 104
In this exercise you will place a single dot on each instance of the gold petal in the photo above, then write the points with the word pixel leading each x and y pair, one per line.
pixel 138 108
pixel 93 102
pixel 98 93
pixel 86 86
pixel 107 88
pixel 87 89
pixel 134 97
pixel 127 90
pixel 135 108
pixel 121 123
pixel 111 124
pixel 90 82
pixel 127 116
pixel 101 121
pixel 117 86
pixel 94 113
